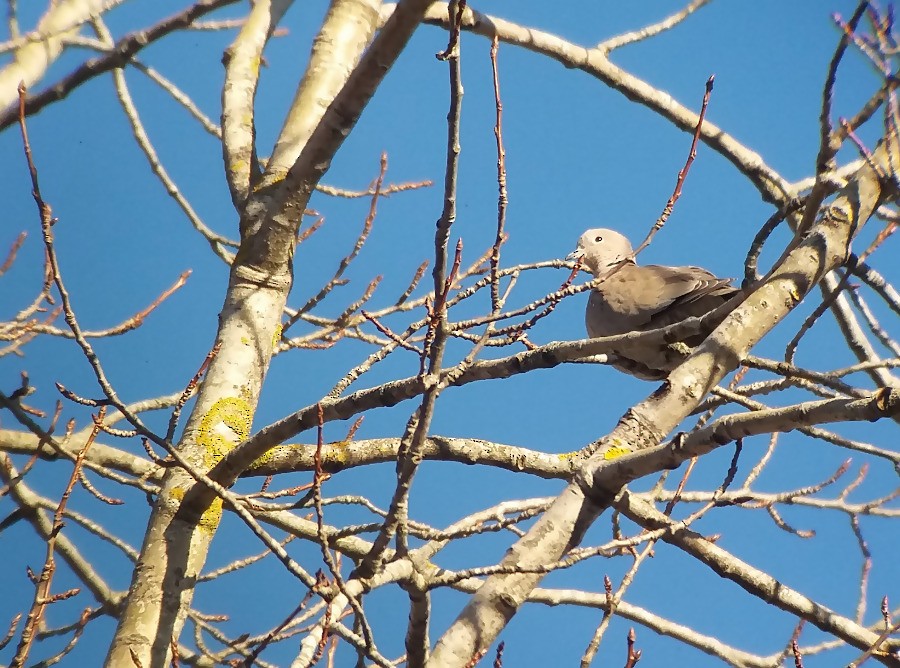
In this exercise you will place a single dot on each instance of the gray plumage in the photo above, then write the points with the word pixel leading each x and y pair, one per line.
pixel 636 299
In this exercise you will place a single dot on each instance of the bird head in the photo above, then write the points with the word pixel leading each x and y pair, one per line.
pixel 601 248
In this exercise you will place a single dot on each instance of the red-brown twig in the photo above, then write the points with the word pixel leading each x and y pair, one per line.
pixel 357 247
pixel 876 646
pixel 341 321
pixel 420 272
pixel 128 324
pixel 518 331
pixel 452 49
pixel 79 630
pixel 44 438
pixel 138 318
pixel 309 231
pixel 250 659
pixel 498 659
pixel 437 310
pixel 830 141
pixel 634 655
pixel 866 567
pixel 354 428
pixel 319 476
pixel 682 175
pixel 441 300
pixel 323 641
pixel 502 199
pixel 476 657
pixel 856 482
pixel 13 251
pixel 96 493
pixel 44 209
pixel 11 631
pixel 155 458
pixel 42 595
pixel 189 390
pixel 795 636
pixel 78 399
pixel 393 336
pixel 860 145
pixel 24 388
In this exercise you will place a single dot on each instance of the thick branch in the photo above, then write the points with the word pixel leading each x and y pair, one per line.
pixel 40 49
pixel 392 393
pixel 644 426
pixel 242 62
pixel 348 27
pixel 125 48
pixel 755 581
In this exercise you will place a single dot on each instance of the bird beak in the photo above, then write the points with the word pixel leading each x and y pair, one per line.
pixel 575 254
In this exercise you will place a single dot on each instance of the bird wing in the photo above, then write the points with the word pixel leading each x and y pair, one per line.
pixel 638 298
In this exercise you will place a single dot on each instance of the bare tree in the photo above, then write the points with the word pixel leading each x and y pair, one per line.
pixel 451 329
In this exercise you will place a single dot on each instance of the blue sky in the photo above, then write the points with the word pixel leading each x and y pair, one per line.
pixel 579 155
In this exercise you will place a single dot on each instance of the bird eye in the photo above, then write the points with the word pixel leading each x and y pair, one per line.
pixel 598 239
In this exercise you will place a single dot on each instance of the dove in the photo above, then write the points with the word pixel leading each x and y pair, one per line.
pixel 636 298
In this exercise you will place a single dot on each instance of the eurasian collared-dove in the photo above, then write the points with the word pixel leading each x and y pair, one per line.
pixel 636 299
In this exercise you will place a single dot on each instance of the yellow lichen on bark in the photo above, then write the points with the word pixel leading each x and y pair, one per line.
pixel 616 451
pixel 223 426
pixel 267 456
pixel 276 336
pixel 209 520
